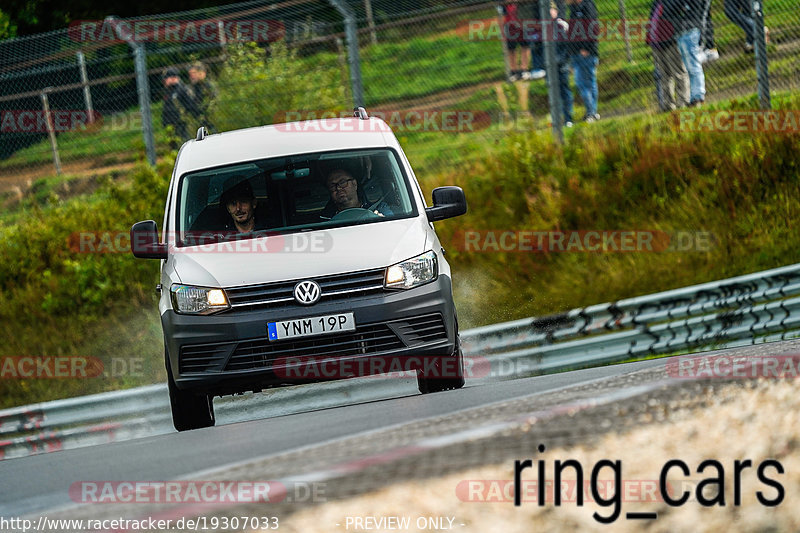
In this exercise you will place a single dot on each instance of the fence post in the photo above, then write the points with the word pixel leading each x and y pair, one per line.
pixel 551 66
pixel 142 88
pixel 87 94
pixel 50 130
pixel 341 56
pixel 762 66
pixel 373 37
pixel 353 58
pixel 625 34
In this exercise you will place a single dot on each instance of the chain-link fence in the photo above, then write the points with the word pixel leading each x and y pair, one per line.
pixel 103 94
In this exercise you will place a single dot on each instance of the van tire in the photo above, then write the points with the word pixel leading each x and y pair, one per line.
pixel 189 410
pixel 429 385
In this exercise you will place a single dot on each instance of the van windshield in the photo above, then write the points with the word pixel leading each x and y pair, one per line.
pixel 291 194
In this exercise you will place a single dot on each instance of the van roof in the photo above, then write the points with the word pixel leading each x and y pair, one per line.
pixel 284 139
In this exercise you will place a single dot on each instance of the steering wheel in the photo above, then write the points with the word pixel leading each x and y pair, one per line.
pixel 353 214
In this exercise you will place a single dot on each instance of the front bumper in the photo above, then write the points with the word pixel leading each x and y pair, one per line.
pixel 229 352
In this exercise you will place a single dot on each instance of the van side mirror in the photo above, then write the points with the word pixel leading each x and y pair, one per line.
pixel 144 241
pixel 448 202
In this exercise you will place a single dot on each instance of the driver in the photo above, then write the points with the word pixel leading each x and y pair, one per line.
pixel 240 203
pixel 344 193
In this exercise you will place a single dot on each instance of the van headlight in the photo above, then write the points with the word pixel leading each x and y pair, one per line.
pixel 198 300
pixel 412 272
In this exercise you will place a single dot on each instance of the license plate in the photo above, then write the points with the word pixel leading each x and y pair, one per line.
pixel 306 327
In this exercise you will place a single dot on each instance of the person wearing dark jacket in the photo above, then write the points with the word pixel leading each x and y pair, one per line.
pixel 204 92
pixel 672 80
pixel 583 52
pixel 178 102
pixel 688 20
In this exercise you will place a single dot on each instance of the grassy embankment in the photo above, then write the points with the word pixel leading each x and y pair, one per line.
pixel 439 62
pixel 629 173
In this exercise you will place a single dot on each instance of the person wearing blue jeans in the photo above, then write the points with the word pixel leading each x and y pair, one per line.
pixel 739 12
pixel 688 19
pixel 583 54
pixel 689 46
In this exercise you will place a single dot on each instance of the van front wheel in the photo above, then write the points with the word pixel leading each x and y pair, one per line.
pixel 189 410
pixel 447 372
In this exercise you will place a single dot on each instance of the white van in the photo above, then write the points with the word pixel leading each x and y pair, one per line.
pixel 300 252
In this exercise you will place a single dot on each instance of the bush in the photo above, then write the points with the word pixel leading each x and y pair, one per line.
pixel 257 89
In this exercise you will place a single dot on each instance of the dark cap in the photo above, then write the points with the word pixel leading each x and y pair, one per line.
pixel 236 189
pixel 170 72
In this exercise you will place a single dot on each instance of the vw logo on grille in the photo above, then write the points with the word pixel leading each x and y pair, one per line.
pixel 307 292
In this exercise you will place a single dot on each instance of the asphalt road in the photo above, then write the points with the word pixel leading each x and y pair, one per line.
pixel 40 483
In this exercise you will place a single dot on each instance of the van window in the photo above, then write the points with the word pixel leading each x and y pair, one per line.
pixel 290 194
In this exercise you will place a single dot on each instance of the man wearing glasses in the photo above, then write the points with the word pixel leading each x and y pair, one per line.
pixel 345 194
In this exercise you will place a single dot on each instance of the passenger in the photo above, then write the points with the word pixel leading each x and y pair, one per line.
pixel 344 191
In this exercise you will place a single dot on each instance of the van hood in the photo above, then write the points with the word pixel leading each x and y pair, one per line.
pixel 301 255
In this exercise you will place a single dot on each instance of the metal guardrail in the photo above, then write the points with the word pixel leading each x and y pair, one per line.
pixel 759 307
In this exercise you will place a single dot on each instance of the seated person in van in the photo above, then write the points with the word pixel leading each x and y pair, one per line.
pixel 345 194
pixel 240 203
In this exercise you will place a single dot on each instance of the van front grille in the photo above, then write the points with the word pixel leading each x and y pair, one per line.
pixel 335 287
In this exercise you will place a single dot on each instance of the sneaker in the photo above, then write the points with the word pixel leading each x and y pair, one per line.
pixel 512 78
pixel 696 103
pixel 538 74
pixel 710 54
pixel 748 48
pixel 568 124
pixel 526 75
pixel 589 118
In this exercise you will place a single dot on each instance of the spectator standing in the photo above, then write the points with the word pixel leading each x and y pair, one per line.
pixel 517 46
pixel 708 45
pixel 672 79
pixel 179 105
pixel 532 27
pixel 582 17
pixel 739 11
pixel 204 92
pixel 687 19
